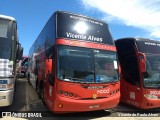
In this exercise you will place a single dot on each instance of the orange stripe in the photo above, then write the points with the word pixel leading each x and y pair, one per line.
pixel 85 44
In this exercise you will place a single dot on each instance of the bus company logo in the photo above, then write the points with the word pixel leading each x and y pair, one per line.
pixel 132 102
pixel 20 115
pixel 93 87
pixel 94 96
pixel 72 42
pixel 6 114
pixel 155 92
pixel 103 91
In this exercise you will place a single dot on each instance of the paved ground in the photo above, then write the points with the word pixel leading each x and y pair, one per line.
pixel 26 100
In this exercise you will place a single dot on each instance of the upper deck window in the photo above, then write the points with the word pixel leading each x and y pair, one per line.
pixel 149 46
pixel 79 27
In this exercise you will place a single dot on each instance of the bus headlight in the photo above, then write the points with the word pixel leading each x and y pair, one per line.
pixel 10 86
pixel 67 94
pixel 150 96
pixel 6 86
pixel 3 86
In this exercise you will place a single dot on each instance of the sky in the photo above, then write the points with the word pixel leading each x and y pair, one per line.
pixel 126 18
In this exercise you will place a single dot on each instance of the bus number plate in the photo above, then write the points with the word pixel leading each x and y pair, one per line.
pixel 2 86
pixel 93 106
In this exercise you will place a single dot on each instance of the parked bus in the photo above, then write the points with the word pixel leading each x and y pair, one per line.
pixel 73 64
pixel 140 67
pixel 10 52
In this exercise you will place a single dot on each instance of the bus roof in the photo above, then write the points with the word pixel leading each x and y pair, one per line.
pixel 144 45
pixel 138 39
pixel 80 15
pixel 147 40
pixel 7 17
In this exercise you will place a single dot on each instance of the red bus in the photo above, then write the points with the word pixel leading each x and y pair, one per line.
pixel 140 67
pixel 73 64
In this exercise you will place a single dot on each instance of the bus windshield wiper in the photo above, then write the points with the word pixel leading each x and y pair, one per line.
pixel 74 79
pixel 80 80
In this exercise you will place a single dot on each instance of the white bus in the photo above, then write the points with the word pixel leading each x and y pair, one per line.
pixel 10 52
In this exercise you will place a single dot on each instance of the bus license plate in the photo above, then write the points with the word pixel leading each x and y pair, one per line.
pixel 93 106
pixel 2 97
pixel 2 86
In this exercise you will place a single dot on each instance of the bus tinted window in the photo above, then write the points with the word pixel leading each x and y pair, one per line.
pixel 5 39
pixel 3 30
pixel 82 28
pixel 149 47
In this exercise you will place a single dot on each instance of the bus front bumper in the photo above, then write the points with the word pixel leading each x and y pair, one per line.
pixel 66 105
pixel 149 104
pixel 6 97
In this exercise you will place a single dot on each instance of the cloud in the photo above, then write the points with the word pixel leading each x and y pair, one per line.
pixel 138 13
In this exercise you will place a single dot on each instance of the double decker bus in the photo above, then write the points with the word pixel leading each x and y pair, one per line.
pixel 73 64
pixel 140 67
pixel 10 52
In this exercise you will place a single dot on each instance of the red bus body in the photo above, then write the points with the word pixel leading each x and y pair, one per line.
pixel 138 58
pixel 61 69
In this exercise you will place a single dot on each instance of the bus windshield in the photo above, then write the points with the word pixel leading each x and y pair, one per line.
pixel 6 43
pixel 152 75
pixel 105 66
pixel 86 65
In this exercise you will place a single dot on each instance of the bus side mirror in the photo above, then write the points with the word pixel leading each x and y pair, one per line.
pixel 49 72
pixel 20 53
pixel 142 62
pixel 119 69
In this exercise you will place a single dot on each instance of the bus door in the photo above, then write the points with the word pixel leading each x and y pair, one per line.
pixel 132 81
pixel 133 94
pixel 48 83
